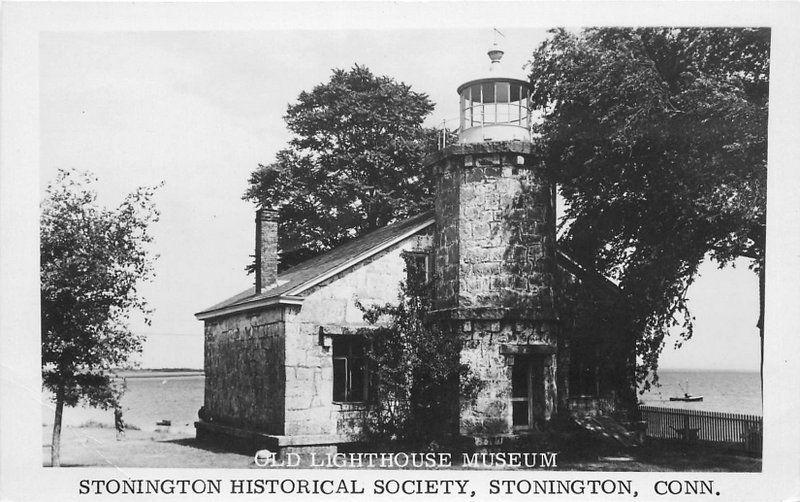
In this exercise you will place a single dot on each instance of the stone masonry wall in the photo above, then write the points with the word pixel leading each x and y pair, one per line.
pixel 332 307
pixel 495 257
pixel 489 347
pixel 244 364
pixel 446 238
pixel 495 240
pixel 507 252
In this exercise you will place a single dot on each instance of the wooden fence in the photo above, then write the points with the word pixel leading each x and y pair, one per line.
pixel 583 405
pixel 729 429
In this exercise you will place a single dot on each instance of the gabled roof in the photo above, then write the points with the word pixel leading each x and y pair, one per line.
pixel 294 281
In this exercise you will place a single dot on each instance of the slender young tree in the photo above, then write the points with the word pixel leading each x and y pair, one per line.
pixel 658 139
pixel 92 260
pixel 353 164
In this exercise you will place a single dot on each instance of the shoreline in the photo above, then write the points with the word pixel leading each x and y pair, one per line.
pixel 159 373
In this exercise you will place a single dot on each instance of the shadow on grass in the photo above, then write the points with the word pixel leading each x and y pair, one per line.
pixel 214 446
pixel 577 450
pixel 697 457
pixel 655 456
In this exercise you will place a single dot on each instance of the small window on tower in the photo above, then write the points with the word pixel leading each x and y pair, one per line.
pixel 418 270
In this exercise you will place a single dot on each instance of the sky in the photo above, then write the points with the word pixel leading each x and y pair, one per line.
pixel 200 110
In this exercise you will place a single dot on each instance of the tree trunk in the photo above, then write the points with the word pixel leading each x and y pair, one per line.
pixel 55 451
pixel 761 284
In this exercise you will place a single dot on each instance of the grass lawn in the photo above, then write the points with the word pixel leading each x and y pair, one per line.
pixel 664 457
pixel 98 447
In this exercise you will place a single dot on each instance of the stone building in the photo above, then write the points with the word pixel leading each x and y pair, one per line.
pixel 284 363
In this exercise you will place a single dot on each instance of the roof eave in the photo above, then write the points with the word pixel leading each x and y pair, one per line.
pixel 607 283
pixel 494 78
pixel 253 304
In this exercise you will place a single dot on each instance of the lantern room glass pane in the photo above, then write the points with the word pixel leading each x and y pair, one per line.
pixel 513 113
pixel 515 92
pixel 461 112
pixel 477 107
pixel 525 108
pixel 515 106
pixel 488 92
pixel 502 91
pixel 502 113
pixel 475 91
pixel 466 110
pixel 489 113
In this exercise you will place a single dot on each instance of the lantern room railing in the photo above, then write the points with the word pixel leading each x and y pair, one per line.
pixel 492 109
pixel 495 102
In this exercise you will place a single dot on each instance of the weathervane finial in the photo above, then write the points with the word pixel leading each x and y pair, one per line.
pixel 495 52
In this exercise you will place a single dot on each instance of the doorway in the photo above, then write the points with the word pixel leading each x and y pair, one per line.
pixel 527 392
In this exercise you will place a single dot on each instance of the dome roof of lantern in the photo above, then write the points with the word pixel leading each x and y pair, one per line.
pixel 497 71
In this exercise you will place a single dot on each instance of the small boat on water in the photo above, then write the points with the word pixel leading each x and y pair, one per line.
pixel 687 397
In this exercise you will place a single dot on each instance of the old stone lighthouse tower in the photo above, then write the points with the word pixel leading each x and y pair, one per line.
pixel 494 251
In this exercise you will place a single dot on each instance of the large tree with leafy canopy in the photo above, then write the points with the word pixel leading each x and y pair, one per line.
pixel 92 260
pixel 658 139
pixel 353 163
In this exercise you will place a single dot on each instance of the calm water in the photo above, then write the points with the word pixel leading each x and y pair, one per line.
pixel 146 401
pixel 728 391
pixel 151 399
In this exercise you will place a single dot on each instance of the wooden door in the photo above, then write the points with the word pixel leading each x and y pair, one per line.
pixel 527 392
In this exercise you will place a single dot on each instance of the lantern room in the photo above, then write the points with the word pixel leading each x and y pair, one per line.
pixel 496 107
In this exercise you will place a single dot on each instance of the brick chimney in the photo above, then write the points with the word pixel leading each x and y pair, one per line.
pixel 266 249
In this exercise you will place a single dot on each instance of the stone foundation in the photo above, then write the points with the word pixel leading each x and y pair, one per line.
pixel 250 441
